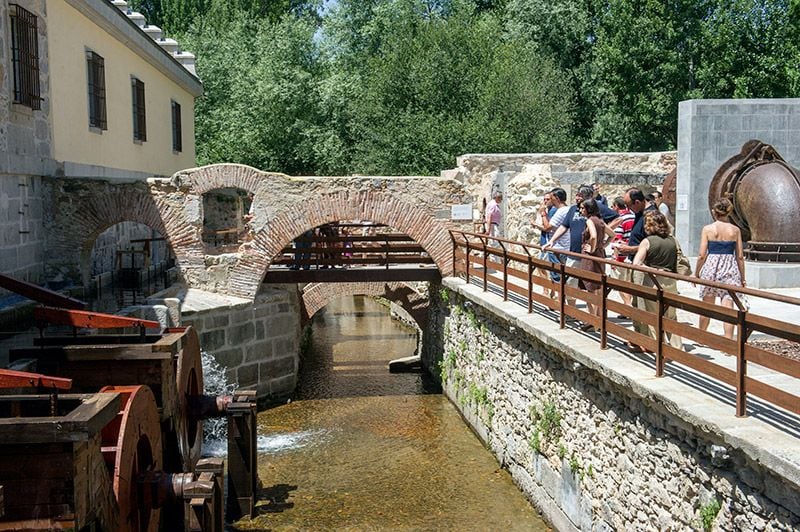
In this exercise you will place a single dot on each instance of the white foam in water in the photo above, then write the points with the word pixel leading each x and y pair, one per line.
pixel 273 444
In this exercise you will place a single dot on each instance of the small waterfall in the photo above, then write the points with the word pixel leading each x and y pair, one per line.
pixel 215 430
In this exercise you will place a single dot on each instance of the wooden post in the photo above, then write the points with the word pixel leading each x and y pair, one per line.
pixel 741 364
pixel 242 473
pixel 217 467
pixel 659 327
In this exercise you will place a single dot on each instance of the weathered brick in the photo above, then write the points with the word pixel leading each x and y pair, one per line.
pixel 241 334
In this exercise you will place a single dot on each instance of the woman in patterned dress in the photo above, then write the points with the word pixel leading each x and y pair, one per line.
pixel 721 260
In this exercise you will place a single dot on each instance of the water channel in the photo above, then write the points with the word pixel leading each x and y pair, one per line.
pixel 362 449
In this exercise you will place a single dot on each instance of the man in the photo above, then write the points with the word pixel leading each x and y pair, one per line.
pixel 494 215
pixel 622 233
pixel 635 201
pixel 599 198
pixel 575 223
pixel 662 207
pixel 558 197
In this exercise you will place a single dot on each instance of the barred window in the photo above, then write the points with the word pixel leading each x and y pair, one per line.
pixel 97 90
pixel 177 138
pixel 139 121
pixel 25 57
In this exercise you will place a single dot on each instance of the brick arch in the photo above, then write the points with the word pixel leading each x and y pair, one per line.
pixel 419 223
pixel 216 176
pixel 78 224
pixel 318 295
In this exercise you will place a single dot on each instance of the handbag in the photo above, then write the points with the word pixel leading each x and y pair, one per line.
pixel 683 266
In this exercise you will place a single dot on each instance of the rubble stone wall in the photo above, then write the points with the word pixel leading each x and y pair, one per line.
pixel 596 445
pixel 525 178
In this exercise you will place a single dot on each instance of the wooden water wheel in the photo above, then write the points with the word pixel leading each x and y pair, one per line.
pixel 189 384
pixel 131 448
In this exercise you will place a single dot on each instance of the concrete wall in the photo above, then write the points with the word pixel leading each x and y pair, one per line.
pixel 594 440
pixel 258 342
pixel 712 131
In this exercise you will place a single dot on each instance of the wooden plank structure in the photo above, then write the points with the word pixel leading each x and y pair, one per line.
pixel 158 380
pixel 93 461
pixel 242 460
pixel 169 363
pixel 52 467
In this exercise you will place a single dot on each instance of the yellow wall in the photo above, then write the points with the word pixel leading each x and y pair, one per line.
pixel 70 34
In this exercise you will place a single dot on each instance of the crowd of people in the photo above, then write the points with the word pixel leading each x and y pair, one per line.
pixel 636 229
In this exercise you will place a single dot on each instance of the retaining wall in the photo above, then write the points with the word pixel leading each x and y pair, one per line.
pixel 257 342
pixel 593 438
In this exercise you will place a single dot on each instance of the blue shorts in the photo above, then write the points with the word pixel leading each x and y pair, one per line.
pixel 555 259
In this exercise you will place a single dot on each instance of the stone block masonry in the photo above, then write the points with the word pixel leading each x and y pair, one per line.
pixel 257 342
pixel 594 440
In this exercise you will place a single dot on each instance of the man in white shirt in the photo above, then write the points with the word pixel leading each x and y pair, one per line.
pixel 494 215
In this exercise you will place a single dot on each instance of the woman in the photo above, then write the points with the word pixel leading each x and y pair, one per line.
pixel 593 244
pixel 721 260
pixel 660 251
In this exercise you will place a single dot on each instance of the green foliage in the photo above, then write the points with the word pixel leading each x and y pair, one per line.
pixel 574 464
pixel 708 513
pixel 562 451
pixel 478 395
pixel 547 422
pixel 535 441
pixel 404 86
pixel 444 295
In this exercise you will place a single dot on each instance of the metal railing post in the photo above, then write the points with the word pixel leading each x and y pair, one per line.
pixel 505 271
pixel 741 363
pixel 530 280
pixel 659 326
pixel 485 265
pixel 604 291
pixel 562 281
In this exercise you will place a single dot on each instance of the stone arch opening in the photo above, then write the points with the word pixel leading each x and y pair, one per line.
pixel 293 220
pixel 130 257
pixel 227 218
pixel 411 298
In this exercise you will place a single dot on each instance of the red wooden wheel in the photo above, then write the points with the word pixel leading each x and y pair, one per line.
pixel 132 446
pixel 189 383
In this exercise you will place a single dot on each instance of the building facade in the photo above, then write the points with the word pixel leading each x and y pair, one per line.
pixel 88 90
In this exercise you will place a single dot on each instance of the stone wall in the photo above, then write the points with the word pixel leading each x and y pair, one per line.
pixel 525 178
pixel 25 149
pixel 594 440
pixel 258 342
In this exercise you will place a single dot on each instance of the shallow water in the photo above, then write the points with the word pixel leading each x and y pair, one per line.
pixel 362 449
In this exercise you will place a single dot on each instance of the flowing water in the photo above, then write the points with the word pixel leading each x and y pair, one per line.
pixel 362 449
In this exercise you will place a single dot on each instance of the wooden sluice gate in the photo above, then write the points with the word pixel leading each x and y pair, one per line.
pixel 136 407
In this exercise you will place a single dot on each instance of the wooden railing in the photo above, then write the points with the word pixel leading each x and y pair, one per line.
pixel 477 255
pixel 384 249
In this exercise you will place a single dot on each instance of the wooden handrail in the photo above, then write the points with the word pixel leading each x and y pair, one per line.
pixel 485 251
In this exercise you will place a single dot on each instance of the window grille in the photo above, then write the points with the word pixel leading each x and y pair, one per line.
pixel 177 138
pixel 97 90
pixel 139 121
pixel 25 57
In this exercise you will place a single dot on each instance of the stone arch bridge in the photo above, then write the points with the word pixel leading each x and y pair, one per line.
pixel 412 300
pixel 283 208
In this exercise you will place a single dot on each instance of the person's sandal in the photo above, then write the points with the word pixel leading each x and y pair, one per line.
pixel 633 348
